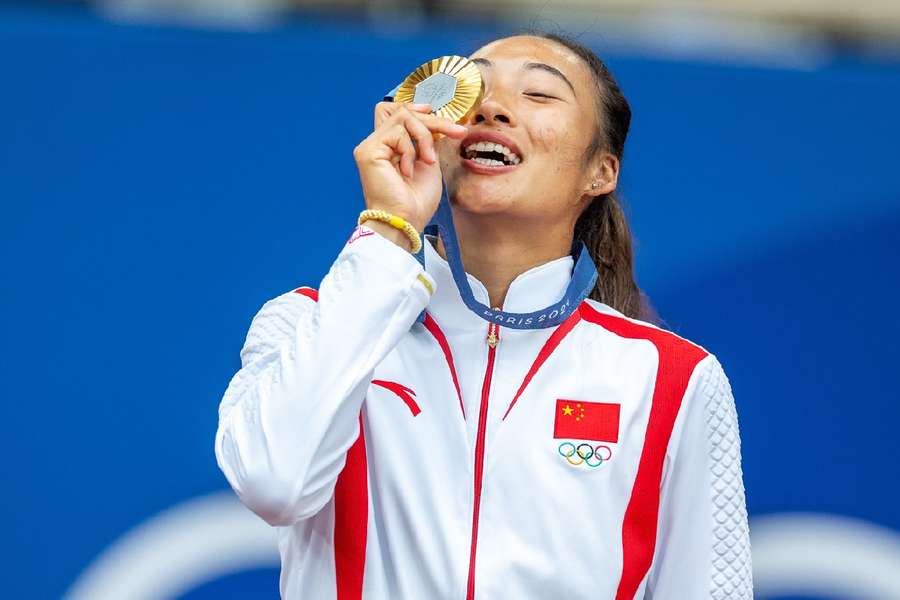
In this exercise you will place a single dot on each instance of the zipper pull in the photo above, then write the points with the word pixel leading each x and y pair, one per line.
pixel 493 336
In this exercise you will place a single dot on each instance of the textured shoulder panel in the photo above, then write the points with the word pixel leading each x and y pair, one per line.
pixel 275 322
pixel 731 577
pixel 273 325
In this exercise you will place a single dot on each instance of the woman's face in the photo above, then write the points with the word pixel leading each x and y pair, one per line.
pixel 540 105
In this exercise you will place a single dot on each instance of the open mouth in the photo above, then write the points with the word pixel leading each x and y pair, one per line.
pixel 490 154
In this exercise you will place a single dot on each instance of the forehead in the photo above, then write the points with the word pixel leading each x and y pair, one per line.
pixel 513 52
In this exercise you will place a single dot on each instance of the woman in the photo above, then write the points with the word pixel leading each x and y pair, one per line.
pixel 454 458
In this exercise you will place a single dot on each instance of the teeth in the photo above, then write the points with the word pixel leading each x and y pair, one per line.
pixel 511 157
pixel 488 162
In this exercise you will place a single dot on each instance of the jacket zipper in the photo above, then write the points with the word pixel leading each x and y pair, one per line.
pixel 493 338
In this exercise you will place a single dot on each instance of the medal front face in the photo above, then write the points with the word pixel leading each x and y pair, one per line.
pixel 451 84
pixel 437 90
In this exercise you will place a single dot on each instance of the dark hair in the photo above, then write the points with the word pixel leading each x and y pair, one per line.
pixel 602 226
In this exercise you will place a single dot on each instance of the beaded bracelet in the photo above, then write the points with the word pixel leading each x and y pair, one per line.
pixel 375 214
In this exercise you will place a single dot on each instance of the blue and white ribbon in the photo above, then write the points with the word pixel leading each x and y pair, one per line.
pixel 584 277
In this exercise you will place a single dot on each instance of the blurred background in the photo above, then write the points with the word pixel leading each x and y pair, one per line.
pixel 166 166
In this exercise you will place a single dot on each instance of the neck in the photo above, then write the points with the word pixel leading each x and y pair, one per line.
pixel 497 251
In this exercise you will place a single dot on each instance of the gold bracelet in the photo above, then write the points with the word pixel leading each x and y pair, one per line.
pixel 375 214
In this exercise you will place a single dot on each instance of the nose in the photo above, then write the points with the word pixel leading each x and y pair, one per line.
pixel 492 111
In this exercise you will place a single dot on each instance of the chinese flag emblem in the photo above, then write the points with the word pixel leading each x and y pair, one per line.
pixel 580 420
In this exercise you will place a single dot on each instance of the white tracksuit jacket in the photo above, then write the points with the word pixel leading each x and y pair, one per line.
pixel 599 459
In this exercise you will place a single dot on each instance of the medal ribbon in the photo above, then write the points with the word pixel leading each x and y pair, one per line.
pixel 584 277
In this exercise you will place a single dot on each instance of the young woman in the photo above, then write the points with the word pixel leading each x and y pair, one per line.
pixel 455 458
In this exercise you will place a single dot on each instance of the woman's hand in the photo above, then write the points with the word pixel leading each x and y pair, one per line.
pixel 398 163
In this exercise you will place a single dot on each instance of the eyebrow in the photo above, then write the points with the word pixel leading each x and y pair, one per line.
pixel 533 66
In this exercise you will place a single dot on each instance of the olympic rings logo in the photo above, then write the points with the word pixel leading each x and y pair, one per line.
pixel 584 454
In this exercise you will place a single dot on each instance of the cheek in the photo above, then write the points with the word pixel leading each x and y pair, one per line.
pixel 547 137
pixel 562 148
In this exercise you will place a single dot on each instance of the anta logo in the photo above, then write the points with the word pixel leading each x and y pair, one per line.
pixel 404 393
pixel 359 232
pixel 583 426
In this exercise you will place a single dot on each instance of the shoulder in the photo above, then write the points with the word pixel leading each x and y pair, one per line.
pixel 671 346
pixel 277 319
pixel 288 304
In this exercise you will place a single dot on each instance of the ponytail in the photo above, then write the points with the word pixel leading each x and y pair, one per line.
pixel 604 230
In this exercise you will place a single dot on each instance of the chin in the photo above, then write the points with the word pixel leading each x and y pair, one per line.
pixel 481 195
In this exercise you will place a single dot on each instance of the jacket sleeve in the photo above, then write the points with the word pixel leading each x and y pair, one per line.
pixel 703 543
pixel 291 412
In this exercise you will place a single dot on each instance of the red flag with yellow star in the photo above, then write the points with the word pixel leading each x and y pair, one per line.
pixel 580 420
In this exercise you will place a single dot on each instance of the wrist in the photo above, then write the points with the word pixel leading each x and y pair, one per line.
pixel 400 213
pixel 396 222
pixel 389 233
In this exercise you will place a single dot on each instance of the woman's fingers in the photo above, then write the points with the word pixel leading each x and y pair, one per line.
pixel 422 129
pixel 384 110
pixel 407 152
pixel 391 111
pixel 436 124
pixel 422 137
pixel 408 130
pixel 400 150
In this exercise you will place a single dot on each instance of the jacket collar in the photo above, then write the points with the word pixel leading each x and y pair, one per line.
pixel 532 290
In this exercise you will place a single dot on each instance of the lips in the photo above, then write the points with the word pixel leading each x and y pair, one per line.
pixel 489 152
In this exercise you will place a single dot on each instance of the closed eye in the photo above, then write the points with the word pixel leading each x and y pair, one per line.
pixel 540 95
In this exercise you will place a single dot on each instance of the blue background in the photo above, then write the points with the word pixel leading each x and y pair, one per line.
pixel 159 184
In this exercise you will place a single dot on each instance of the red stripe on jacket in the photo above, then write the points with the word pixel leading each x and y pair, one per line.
pixel 351 521
pixel 677 360
pixel 549 346
pixel 433 328
pixel 308 292
pixel 351 510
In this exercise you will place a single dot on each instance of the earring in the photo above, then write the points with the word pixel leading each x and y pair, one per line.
pixel 595 185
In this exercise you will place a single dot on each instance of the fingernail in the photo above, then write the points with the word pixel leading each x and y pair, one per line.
pixel 421 106
pixel 460 128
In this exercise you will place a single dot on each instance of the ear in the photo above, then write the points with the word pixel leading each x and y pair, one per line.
pixel 603 174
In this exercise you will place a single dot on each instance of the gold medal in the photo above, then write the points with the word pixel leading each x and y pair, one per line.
pixel 451 85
